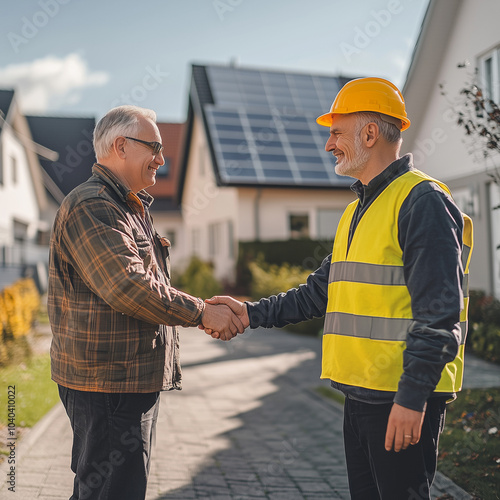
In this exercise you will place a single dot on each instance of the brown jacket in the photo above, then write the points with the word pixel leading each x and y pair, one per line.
pixel 109 297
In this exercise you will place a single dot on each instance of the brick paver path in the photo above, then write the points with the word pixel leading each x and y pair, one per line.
pixel 248 424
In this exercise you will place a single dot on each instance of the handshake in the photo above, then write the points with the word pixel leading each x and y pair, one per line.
pixel 224 317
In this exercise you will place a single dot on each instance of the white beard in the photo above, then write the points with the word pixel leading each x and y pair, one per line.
pixel 357 164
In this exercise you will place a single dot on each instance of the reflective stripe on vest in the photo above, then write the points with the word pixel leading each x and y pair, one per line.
pixel 369 307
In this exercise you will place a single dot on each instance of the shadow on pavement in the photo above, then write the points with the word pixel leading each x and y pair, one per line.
pixel 276 438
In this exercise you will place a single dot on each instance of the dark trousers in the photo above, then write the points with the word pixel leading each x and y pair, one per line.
pixel 377 474
pixel 112 439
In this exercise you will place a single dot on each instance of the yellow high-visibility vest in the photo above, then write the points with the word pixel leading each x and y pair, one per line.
pixel 369 306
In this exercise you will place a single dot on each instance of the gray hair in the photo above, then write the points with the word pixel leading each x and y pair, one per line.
pixel 120 121
pixel 388 130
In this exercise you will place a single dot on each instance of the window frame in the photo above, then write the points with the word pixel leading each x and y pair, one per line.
pixel 490 85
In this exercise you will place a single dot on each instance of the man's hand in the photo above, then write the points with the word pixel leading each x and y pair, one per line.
pixel 403 428
pixel 220 318
pixel 237 307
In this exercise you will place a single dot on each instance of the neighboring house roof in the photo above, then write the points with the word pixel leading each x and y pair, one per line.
pixel 6 98
pixel 421 79
pixel 71 138
pixel 166 188
pixel 261 127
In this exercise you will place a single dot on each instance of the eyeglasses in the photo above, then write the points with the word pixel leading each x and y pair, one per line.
pixel 156 147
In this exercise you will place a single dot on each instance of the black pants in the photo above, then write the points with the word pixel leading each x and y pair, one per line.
pixel 375 473
pixel 112 439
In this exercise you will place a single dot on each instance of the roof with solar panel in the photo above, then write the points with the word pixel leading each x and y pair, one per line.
pixel 262 126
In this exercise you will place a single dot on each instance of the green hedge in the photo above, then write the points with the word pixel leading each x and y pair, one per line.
pixel 271 279
pixel 484 326
pixel 198 279
pixel 306 254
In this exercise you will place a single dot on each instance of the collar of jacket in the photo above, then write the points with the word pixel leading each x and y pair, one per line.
pixel 136 202
pixel 398 167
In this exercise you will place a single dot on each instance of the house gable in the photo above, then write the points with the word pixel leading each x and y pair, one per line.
pixel 254 162
pixel 22 191
pixel 261 126
pixel 455 35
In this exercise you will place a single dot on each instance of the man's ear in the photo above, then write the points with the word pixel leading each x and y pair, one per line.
pixel 371 134
pixel 119 147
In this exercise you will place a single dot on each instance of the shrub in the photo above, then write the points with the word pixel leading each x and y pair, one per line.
pixel 19 307
pixel 484 326
pixel 198 279
pixel 304 253
pixel 486 341
pixel 271 279
pixel 21 303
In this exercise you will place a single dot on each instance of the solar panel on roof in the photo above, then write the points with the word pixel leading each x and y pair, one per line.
pixel 263 130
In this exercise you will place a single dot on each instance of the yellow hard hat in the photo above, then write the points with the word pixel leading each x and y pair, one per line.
pixel 368 94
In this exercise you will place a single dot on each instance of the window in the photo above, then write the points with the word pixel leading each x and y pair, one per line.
pixel 214 239
pixel 495 236
pixel 328 220
pixel 164 170
pixel 196 241
pixel 13 162
pixel 20 231
pixel 20 238
pixel 230 238
pixel 489 74
pixel 299 226
pixel 467 200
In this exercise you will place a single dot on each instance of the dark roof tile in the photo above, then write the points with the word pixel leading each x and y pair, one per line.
pixel 6 97
pixel 71 138
pixel 254 120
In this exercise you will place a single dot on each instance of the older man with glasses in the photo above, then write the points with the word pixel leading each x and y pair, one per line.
pixel 114 313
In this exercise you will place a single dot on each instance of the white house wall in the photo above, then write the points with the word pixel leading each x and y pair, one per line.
pixel 438 145
pixel 17 197
pixel 209 212
pixel 170 225
pixel 216 218
pixel 273 207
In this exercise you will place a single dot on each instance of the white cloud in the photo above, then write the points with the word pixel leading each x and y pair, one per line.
pixel 50 82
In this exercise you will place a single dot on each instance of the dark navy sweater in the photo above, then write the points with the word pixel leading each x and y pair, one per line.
pixel 430 235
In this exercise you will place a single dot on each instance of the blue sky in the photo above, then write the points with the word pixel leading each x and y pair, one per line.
pixel 82 57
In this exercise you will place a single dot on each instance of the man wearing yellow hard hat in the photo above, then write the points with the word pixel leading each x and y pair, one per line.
pixel 394 296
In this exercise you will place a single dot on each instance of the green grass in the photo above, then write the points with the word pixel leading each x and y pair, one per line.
pixel 470 444
pixel 469 448
pixel 36 393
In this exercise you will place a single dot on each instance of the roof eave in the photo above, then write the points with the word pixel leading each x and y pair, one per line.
pixel 429 50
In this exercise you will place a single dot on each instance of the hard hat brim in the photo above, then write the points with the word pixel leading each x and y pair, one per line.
pixel 326 120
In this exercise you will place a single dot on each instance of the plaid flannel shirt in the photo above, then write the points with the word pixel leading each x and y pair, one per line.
pixel 111 307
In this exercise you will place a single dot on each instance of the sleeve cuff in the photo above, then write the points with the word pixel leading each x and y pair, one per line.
pixel 411 396
pixel 201 309
pixel 255 316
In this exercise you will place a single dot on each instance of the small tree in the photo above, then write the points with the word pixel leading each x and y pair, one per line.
pixel 479 117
